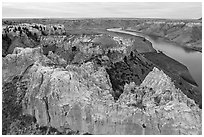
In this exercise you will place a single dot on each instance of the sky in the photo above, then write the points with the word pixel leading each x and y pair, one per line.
pixel 174 10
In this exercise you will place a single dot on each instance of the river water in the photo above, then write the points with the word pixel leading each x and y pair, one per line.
pixel 191 59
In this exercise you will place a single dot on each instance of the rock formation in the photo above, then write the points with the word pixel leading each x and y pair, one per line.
pixel 27 35
pixel 79 98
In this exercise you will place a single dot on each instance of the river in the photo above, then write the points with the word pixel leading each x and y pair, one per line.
pixel 191 59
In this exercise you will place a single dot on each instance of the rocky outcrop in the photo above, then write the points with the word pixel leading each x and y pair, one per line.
pixel 135 67
pixel 16 63
pixel 10 40
pixel 27 35
pixel 141 44
pixel 35 29
pixel 177 71
pixel 21 60
pixel 132 68
pixel 72 47
pixel 80 48
pixel 79 98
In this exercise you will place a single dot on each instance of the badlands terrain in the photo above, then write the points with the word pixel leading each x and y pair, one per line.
pixel 72 76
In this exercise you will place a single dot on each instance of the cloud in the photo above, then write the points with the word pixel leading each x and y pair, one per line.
pixel 103 9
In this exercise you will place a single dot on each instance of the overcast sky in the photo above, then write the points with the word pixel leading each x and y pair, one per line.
pixel 106 9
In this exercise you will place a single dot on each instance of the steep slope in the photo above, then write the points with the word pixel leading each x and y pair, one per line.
pixel 168 64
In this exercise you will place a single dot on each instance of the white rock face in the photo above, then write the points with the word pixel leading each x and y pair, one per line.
pixel 17 62
pixel 80 99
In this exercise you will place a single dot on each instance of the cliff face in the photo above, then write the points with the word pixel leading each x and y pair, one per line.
pixel 80 98
pixel 71 102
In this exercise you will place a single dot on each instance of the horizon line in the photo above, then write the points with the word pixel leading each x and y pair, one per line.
pixel 99 18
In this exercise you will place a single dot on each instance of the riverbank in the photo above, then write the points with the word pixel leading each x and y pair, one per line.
pixel 171 65
pixel 195 46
